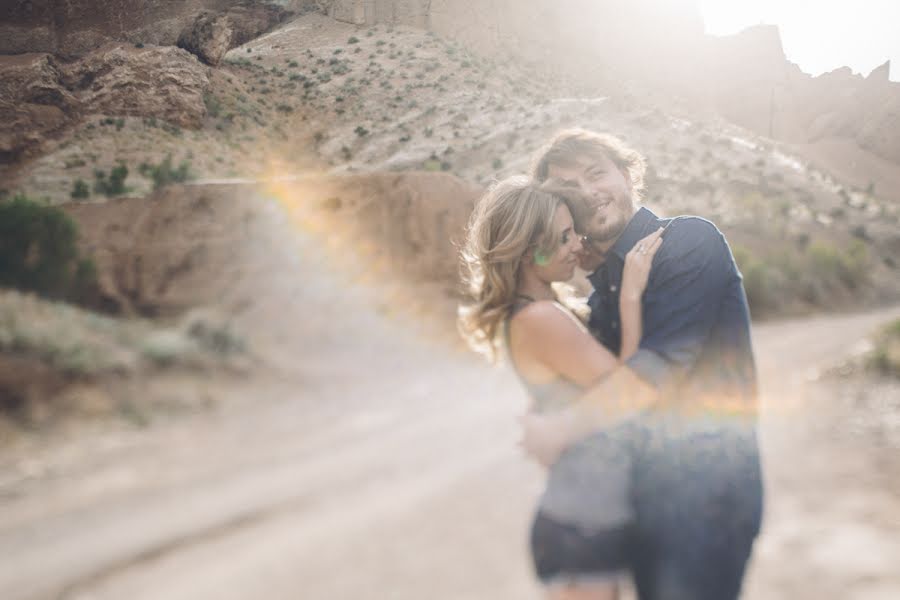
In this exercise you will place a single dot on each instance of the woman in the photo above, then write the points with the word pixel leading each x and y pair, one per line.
pixel 521 240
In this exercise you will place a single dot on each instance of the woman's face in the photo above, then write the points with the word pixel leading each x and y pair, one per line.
pixel 560 266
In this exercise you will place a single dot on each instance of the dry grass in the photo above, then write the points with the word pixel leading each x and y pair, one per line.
pixel 885 356
pixel 83 344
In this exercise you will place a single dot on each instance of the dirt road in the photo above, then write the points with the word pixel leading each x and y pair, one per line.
pixel 395 474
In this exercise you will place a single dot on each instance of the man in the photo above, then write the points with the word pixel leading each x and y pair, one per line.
pixel 696 478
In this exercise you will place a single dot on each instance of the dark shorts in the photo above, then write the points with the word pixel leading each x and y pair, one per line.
pixel 583 527
pixel 565 553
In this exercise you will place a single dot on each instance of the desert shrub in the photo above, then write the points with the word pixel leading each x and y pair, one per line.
pixel 80 190
pixel 166 348
pixel 114 185
pixel 213 104
pixel 432 164
pixel 814 273
pixel 74 341
pixel 38 252
pixel 885 356
pixel 164 174
pixel 212 333
pixel 81 343
pixel 760 282
pixel 830 263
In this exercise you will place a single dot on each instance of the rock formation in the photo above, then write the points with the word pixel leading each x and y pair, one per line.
pixel 75 27
pixel 41 95
pixel 211 245
pixel 643 51
pixel 211 34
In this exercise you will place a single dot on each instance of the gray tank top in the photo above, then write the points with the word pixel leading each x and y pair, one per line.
pixel 546 397
pixel 588 487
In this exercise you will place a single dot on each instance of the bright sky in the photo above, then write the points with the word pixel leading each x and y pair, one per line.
pixel 822 35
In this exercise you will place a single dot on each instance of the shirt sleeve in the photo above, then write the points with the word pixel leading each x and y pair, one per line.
pixel 692 272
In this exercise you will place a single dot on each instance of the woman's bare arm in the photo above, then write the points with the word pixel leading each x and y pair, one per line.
pixel 634 280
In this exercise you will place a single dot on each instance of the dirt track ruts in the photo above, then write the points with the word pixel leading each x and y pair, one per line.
pixel 411 486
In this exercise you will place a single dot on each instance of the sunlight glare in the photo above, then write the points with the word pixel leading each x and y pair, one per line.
pixel 818 36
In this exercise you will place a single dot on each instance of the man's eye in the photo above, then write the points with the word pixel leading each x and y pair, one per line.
pixel 565 238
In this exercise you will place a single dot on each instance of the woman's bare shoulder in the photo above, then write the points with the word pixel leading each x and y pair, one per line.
pixel 543 319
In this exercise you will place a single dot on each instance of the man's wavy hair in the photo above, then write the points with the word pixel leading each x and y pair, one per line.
pixel 571 145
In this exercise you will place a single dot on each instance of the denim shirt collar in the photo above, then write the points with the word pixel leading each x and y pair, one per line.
pixel 636 229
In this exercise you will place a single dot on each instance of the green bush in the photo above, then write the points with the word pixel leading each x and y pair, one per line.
pixel 114 185
pixel 830 262
pixel 38 252
pixel 815 273
pixel 80 190
pixel 164 174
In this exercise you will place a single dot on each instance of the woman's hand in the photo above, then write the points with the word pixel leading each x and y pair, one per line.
pixel 637 266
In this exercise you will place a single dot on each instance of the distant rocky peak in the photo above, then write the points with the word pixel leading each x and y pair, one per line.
pixel 880 73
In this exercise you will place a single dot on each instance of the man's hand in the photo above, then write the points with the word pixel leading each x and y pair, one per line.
pixel 544 437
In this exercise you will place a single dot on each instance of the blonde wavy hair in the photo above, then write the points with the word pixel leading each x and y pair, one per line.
pixel 511 219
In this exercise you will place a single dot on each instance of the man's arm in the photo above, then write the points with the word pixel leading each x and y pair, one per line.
pixel 693 273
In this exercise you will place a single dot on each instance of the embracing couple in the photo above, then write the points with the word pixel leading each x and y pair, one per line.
pixel 642 403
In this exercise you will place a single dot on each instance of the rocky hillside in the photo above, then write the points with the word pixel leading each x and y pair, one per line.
pixel 318 94
pixel 71 28
pixel 331 113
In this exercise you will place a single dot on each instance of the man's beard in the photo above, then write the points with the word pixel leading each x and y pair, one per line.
pixel 609 231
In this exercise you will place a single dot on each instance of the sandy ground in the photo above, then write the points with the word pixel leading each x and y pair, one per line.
pixel 394 473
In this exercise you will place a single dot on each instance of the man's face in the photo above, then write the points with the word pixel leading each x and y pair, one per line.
pixel 608 194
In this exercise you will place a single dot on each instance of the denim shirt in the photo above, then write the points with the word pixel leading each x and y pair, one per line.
pixel 696 342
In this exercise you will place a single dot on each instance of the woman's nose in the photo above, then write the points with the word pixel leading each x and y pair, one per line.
pixel 577 246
